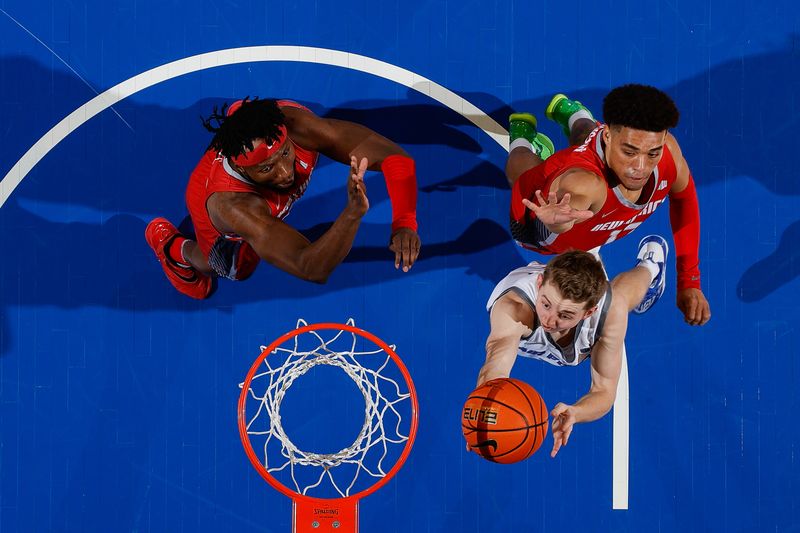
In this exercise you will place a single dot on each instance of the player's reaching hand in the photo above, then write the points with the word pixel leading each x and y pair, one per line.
pixel 563 419
pixel 694 306
pixel 405 244
pixel 552 212
pixel 357 201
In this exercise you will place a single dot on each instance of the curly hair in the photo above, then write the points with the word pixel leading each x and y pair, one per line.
pixel 640 107
pixel 234 134
pixel 578 276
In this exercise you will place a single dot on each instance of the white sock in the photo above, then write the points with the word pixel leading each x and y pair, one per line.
pixel 185 263
pixel 577 115
pixel 521 142
pixel 651 267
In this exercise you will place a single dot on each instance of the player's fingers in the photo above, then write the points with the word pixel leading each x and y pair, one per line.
pixel 413 252
pixel 552 198
pixel 706 315
pixel 686 307
pixel 398 256
pixel 564 199
pixel 556 446
pixel 692 315
pixel 540 198
pixel 566 433
pixel 405 247
pixel 362 167
pixel 557 410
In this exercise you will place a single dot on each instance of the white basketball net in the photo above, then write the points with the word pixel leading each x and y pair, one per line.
pixel 382 420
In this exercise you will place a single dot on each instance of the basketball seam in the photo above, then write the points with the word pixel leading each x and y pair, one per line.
pixel 540 424
pixel 533 413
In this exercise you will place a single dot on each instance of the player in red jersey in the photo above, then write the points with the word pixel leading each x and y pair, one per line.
pixel 257 165
pixel 607 183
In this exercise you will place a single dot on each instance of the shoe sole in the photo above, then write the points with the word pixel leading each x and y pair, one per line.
pixel 551 107
pixel 660 240
pixel 663 242
pixel 524 117
pixel 147 234
pixel 545 141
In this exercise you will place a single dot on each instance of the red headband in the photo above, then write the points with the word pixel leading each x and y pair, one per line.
pixel 261 152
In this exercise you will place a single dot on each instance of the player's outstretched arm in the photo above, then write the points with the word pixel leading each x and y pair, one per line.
pixel 509 319
pixel 606 366
pixel 339 140
pixel 576 198
pixel 684 216
pixel 281 245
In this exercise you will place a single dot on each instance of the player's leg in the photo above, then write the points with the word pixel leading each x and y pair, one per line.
pixel 191 253
pixel 644 284
pixel 183 263
pixel 573 117
pixel 527 147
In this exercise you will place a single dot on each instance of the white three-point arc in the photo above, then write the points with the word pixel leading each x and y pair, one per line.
pixel 321 56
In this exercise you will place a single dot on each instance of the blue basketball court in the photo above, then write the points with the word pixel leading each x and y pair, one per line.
pixel 118 395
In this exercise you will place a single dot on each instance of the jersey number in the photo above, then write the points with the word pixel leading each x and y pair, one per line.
pixel 616 233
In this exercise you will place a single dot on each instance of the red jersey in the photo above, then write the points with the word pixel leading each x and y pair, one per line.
pixel 618 216
pixel 214 174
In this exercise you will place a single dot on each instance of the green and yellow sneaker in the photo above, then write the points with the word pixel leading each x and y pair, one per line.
pixel 523 126
pixel 561 108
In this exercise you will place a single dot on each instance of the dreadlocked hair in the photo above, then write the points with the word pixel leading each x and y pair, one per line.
pixel 234 134
pixel 640 107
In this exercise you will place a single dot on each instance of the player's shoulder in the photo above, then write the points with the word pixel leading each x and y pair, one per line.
pixel 512 298
pixel 295 114
pixel 580 181
pixel 673 146
pixel 677 155
pixel 514 307
pixel 233 206
pixel 306 129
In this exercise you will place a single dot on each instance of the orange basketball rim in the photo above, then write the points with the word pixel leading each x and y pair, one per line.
pixel 337 514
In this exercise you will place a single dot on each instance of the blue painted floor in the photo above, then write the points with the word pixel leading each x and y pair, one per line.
pixel 118 395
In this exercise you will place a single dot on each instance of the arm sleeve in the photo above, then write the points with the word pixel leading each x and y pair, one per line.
pixel 684 216
pixel 401 182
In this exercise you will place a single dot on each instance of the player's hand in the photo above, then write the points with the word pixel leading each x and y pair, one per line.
pixel 694 306
pixel 553 212
pixel 405 244
pixel 357 202
pixel 563 420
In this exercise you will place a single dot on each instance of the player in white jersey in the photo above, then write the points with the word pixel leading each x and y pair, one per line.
pixel 566 312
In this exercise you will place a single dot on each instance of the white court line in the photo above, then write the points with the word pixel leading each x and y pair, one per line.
pixel 323 56
pixel 621 441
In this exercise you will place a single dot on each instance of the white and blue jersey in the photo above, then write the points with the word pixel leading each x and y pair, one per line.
pixel 540 345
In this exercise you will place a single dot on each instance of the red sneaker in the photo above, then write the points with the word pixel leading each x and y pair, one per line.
pixel 159 234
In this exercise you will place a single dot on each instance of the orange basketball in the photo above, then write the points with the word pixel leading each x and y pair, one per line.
pixel 504 420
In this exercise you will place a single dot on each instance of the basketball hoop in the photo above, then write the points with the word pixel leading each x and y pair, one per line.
pixel 388 392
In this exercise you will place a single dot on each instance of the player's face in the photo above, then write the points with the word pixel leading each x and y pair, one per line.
pixel 275 172
pixel 556 313
pixel 633 154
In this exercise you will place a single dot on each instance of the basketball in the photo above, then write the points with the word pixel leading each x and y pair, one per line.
pixel 504 420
